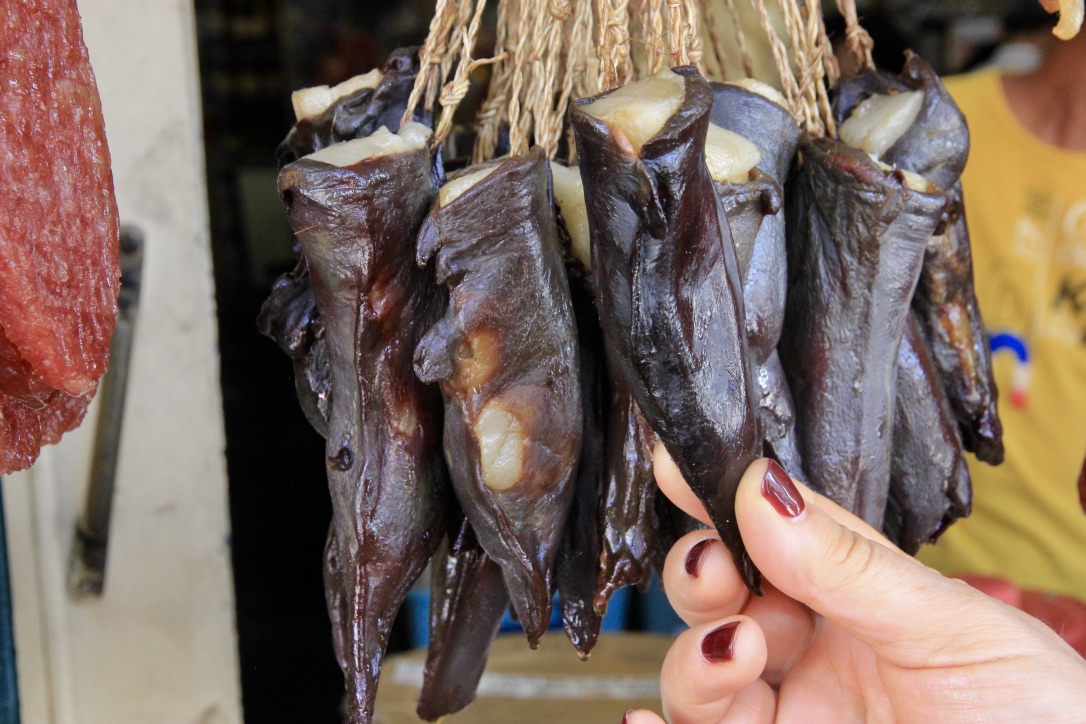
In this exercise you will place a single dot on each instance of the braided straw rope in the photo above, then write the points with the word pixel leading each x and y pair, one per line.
pixel 519 117
pixel 856 38
pixel 582 64
pixel 801 65
pixel 821 54
pixel 656 34
pixel 613 19
pixel 492 112
pixel 455 90
pixel 430 58
pixel 676 29
pixel 780 58
pixel 716 38
pixel 549 105
pixel 692 36
pixel 543 58
pixel 740 38
pixel 578 80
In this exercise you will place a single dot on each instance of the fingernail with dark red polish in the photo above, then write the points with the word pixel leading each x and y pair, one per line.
pixel 693 558
pixel 780 491
pixel 716 647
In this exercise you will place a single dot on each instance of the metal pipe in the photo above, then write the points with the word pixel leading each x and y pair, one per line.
pixel 91 543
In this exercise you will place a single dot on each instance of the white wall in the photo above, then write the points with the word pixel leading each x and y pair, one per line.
pixel 160 645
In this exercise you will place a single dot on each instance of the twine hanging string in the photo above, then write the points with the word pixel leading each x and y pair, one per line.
pixel 641 54
pixel 520 119
pixel 544 57
pixel 740 38
pixel 548 103
pixel 807 98
pixel 581 71
pixel 676 33
pixel 692 36
pixel 613 39
pixel 655 35
pixel 463 21
pixel 431 56
pixel 780 59
pixel 857 40
pixel 455 90
pixel 578 80
pixel 829 58
pixel 716 38
pixel 492 112
pixel 822 56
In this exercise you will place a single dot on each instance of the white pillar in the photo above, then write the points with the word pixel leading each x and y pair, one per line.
pixel 161 644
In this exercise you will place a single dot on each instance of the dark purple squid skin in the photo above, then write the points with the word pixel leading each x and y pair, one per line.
pixel 930 486
pixel 289 315
pixel 497 249
pixel 467 602
pixel 578 560
pixel 670 300
pixel 359 114
pixel 627 509
pixel 946 305
pixel 936 146
pixel 856 240
pixel 758 232
pixel 610 537
pixel 387 480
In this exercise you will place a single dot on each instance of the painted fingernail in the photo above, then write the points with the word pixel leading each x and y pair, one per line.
pixel 780 491
pixel 693 558
pixel 716 647
pixel 626 716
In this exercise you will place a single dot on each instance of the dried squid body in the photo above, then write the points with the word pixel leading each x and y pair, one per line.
pixel 610 537
pixel 354 109
pixel 506 356
pixel 929 479
pixel 356 207
pixel 908 121
pixel 627 508
pixel 290 317
pixel 579 556
pixel 947 307
pixel 670 296
pixel 911 122
pixel 856 240
pixel 467 602
pixel 753 207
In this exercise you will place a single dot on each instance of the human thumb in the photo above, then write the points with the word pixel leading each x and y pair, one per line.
pixel 817 553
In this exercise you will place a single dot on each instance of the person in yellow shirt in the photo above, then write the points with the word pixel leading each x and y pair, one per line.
pixel 1025 198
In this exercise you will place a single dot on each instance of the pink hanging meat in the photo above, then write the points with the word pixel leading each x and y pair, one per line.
pixel 59 272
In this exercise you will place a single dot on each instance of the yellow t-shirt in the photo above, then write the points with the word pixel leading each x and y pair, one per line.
pixel 1026 205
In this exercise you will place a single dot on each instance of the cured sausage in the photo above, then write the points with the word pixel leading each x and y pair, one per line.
pixel 59 232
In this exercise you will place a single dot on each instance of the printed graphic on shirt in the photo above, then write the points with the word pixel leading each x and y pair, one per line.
pixel 1070 303
pixel 1009 343
pixel 1046 272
